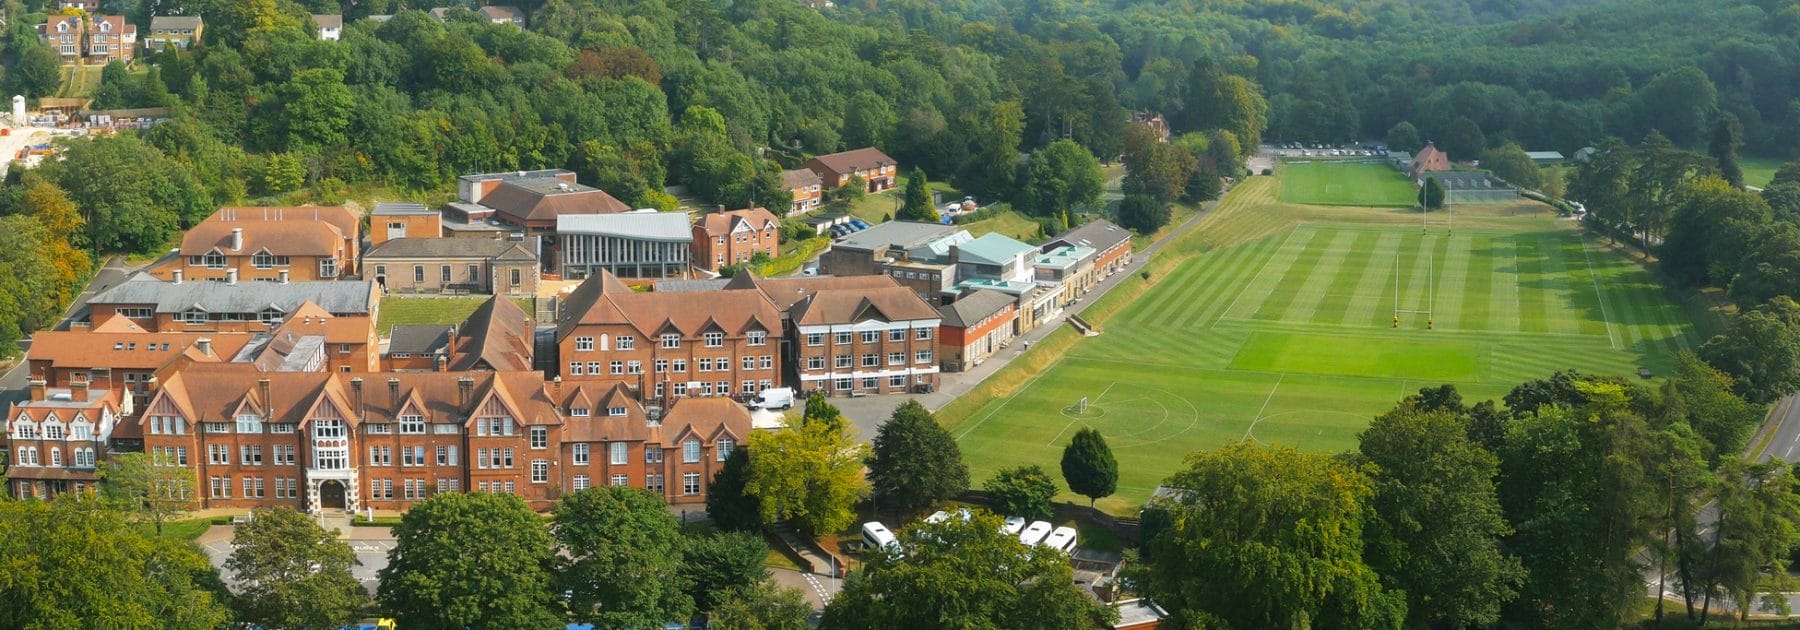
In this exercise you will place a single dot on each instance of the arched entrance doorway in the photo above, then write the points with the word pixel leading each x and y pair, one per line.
pixel 331 494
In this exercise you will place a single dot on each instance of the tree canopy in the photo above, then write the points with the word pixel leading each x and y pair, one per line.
pixel 914 462
pixel 622 556
pixel 293 573
pixel 475 560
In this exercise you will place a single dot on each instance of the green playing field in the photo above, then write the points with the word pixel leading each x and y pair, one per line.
pixel 1346 183
pixel 1290 337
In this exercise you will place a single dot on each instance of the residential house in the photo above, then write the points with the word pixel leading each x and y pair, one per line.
pixel 668 345
pixel 735 237
pixel 627 245
pixel 453 265
pixel 294 244
pixel 330 27
pixel 177 31
pixel 180 306
pixel 120 355
pixel 806 189
pixel 1430 159
pixel 67 34
pixel 873 166
pixel 110 38
pixel 853 336
pixel 974 328
pixel 502 14
pixel 55 439
pixel 389 221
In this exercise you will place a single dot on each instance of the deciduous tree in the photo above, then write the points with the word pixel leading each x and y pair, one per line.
pixel 154 490
pixel 1022 491
pixel 810 474
pixel 765 606
pixel 1059 178
pixel 1431 195
pixel 964 574
pixel 730 506
pixel 714 565
pixel 292 573
pixel 474 560
pixel 1761 350
pixel 1404 137
pixel 915 462
pixel 1509 162
pixel 622 557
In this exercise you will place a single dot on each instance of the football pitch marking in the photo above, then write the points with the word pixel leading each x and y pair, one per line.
pixel 1599 296
pixel 1260 271
pixel 1094 404
pixel 1040 375
pixel 1265 407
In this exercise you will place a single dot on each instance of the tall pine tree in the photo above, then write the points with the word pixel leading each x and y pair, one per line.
pixel 918 199
pixel 1089 466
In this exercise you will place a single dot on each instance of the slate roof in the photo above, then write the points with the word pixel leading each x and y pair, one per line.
pixel 901 234
pixel 489 248
pixel 419 338
pixel 335 296
pixel 974 307
pixel 648 226
pixel 1099 234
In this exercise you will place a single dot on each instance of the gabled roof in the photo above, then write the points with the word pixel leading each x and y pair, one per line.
pixel 786 292
pixel 706 418
pixel 213 392
pixel 668 227
pixel 419 339
pixel 497 336
pixel 602 299
pixel 287 231
pixel 723 223
pixel 126 351
pixel 544 199
pixel 1099 234
pixel 337 297
pixel 974 307
pixel 846 306
pixel 853 160
pixel 501 12
pixel 799 178
pixel 174 22
pixel 992 248
pixel 598 426
pixel 454 248
pixel 328 21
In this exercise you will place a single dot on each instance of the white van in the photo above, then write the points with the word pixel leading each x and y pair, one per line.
pixel 1014 525
pixel 876 536
pixel 1062 539
pixel 774 398
pixel 1034 533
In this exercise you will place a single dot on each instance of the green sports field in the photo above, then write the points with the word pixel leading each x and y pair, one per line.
pixel 1283 331
pixel 1345 183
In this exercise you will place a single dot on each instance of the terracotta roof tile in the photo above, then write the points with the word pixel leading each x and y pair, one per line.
pixel 722 223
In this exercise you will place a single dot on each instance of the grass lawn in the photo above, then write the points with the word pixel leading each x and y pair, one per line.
pixel 432 310
pixel 1274 322
pixel 187 529
pixel 1008 223
pixel 1345 183
pixel 1759 171
pixel 79 81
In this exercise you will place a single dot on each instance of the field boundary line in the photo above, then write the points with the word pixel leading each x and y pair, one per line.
pixel 1259 273
pixel 1073 420
pixel 1599 295
pixel 1034 379
pixel 1265 407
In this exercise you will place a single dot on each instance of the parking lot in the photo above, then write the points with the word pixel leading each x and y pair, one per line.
pixel 1329 150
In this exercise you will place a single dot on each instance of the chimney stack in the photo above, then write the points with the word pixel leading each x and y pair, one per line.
pixel 237 239
pixel 465 388
pixel 282 276
pixel 356 392
pixel 37 389
pixel 394 393
pixel 177 276
pixel 204 345
pixel 230 276
pixel 556 389
pixel 262 388
pixel 78 391
pixel 443 363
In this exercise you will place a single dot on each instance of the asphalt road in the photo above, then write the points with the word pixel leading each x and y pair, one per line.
pixel 370 554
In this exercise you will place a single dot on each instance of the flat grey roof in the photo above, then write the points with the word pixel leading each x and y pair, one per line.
pixel 395 208
pixel 901 234
pixel 649 226
pixel 335 296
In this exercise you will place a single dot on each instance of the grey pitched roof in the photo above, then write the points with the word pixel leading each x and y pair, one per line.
pixel 1099 234
pixel 649 226
pixel 490 248
pixel 691 286
pixel 419 338
pixel 169 22
pixel 335 296
pixel 401 208
pixel 971 308
pixel 901 234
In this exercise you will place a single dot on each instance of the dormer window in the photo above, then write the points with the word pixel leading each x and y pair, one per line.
pixel 213 260
pixel 578 412
pixel 715 340
pixel 193 316
pixel 270 315
pixel 262 260
pixel 757 337
pixel 615 411
pixel 671 341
